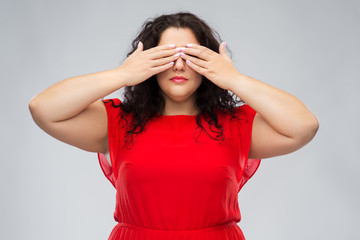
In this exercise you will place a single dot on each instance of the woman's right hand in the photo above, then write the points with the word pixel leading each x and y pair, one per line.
pixel 141 65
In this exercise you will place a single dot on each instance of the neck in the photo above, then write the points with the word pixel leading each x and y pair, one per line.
pixel 186 107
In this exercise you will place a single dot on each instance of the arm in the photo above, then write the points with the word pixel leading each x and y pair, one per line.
pixel 70 110
pixel 282 124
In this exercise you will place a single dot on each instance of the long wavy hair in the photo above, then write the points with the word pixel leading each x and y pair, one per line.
pixel 144 101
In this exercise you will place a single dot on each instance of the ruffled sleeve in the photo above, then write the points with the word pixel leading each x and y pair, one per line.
pixel 247 167
pixel 115 138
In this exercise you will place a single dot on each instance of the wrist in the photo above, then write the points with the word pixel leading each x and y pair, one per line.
pixel 118 76
pixel 237 82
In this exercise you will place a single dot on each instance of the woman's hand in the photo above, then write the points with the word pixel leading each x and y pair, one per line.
pixel 216 67
pixel 141 65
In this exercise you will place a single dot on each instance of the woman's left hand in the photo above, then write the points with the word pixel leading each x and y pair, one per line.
pixel 216 67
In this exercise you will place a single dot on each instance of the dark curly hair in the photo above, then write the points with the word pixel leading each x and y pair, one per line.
pixel 144 100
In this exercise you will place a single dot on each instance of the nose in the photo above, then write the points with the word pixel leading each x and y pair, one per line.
pixel 179 64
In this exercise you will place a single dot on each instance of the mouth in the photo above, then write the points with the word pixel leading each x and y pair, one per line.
pixel 178 79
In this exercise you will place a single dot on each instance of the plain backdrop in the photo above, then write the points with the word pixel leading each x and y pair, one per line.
pixel 309 48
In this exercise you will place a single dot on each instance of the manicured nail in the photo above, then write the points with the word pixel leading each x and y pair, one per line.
pixel 182 54
pixel 189 45
pixel 179 49
pixel 176 54
pixel 172 63
pixel 171 45
pixel 188 61
pixel 224 44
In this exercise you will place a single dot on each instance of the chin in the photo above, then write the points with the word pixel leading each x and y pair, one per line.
pixel 178 98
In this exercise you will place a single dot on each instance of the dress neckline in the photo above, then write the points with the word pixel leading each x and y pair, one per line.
pixel 178 115
pixel 176 118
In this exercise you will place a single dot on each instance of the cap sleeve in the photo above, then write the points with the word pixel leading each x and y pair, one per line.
pixel 113 111
pixel 247 167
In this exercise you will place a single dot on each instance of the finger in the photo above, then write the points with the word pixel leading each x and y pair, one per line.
pixel 197 61
pixel 199 51
pixel 164 60
pixel 161 47
pixel 140 47
pixel 162 53
pixel 197 46
pixel 196 67
pixel 222 49
pixel 200 47
pixel 162 68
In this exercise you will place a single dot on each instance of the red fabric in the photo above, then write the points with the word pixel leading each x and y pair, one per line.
pixel 171 187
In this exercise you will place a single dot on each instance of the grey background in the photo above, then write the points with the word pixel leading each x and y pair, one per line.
pixel 50 190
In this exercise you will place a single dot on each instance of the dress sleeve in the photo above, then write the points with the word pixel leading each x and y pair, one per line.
pixel 247 167
pixel 115 136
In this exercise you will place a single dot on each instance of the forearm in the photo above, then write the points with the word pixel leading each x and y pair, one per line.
pixel 282 111
pixel 69 97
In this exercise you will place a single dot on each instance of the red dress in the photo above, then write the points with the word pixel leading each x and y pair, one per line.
pixel 168 186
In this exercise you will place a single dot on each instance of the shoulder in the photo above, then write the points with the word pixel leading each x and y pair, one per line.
pixel 244 111
pixel 115 113
pixel 240 113
pixel 112 102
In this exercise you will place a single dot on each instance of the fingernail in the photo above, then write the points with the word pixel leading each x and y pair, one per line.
pixel 182 54
pixel 171 45
pixel 172 63
pixel 189 45
pixel 179 49
pixel 176 54
pixel 188 61
pixel 224 44
pixel 138 44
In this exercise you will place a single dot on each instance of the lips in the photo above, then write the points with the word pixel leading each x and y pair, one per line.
pixel 178 79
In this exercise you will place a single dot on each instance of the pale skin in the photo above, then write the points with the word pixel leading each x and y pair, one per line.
pixel 71 111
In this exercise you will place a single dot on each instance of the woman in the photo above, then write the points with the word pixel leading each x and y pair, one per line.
pixel 178 147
